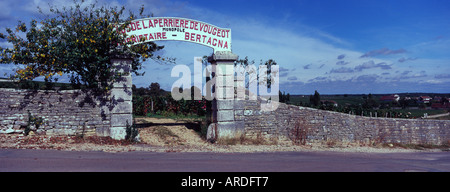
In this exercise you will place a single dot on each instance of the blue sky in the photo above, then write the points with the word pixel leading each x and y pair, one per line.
pixel 333 46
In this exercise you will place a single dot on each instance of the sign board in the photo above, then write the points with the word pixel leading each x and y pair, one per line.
pixel 178 29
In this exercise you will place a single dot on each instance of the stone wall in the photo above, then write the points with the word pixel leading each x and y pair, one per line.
pixel 71 112
pixel 318 126
pixel 65 112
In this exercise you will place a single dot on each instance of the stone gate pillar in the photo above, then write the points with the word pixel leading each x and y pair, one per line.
pixel 120 98
pixel 223 123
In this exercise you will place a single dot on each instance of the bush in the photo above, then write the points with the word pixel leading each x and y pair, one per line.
pixel 131 133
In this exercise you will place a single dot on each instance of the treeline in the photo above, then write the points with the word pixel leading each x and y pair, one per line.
pixel 364 105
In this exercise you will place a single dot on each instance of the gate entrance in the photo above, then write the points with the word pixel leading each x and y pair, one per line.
pixel 178 29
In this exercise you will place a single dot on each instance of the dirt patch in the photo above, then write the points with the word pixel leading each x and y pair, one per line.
pixel 169 132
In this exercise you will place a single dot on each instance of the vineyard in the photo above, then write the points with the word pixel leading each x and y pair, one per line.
pixel 155 102
pixel 167 106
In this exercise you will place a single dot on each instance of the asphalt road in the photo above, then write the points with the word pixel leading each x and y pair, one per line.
pixel 15 160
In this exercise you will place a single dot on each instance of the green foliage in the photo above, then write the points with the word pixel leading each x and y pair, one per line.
pixel 36 122
pixel 131 133
pixel 283 97
pixel 167 106
pixel 154 101
pixel 263 80
pixel 79 41
pixel 314 99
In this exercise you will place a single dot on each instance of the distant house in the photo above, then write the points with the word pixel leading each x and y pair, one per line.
pixel 437 98
pixel 393 97
pixel 424 99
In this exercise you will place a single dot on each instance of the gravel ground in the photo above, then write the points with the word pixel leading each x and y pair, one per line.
pixel 168 135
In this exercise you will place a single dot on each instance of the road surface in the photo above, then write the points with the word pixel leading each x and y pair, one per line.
pixel 12 160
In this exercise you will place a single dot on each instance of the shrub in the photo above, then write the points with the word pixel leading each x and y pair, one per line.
pixel 131 133
pixel 298 134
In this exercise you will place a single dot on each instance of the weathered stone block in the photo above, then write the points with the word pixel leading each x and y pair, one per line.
pixel 124 81
pixel 225 115
pixel 117 133
pixel 122 107
pixel 121 94
pixel 120 120
pixel 226 129
pixel 225 104
pixel 122 65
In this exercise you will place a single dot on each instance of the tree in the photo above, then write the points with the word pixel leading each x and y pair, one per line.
pixel 370 102
pixel 155 89
pixel 262 80
pixel 79 40
pixel 281 96
pixel 269 63
pixel 316 98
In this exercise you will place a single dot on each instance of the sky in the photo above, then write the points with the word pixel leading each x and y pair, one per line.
pixel 332 46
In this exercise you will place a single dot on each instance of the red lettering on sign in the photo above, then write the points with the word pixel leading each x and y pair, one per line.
pixel 186 36
pixel 214 31
pixel 133 26
pixel 226 45
pixel 192 25
pixel 164 35
pixel 204 36
pixel 160 22
pixel 214 44
pixel 181 23
pixel 143 24
pixel 186 24
pixel 192 36
pixel 198 38
pixel 220 44
pixel 209 41
pixel 150 23
pixel 137 25
pixel 176 22
pixel 218 32
pixel 170 23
